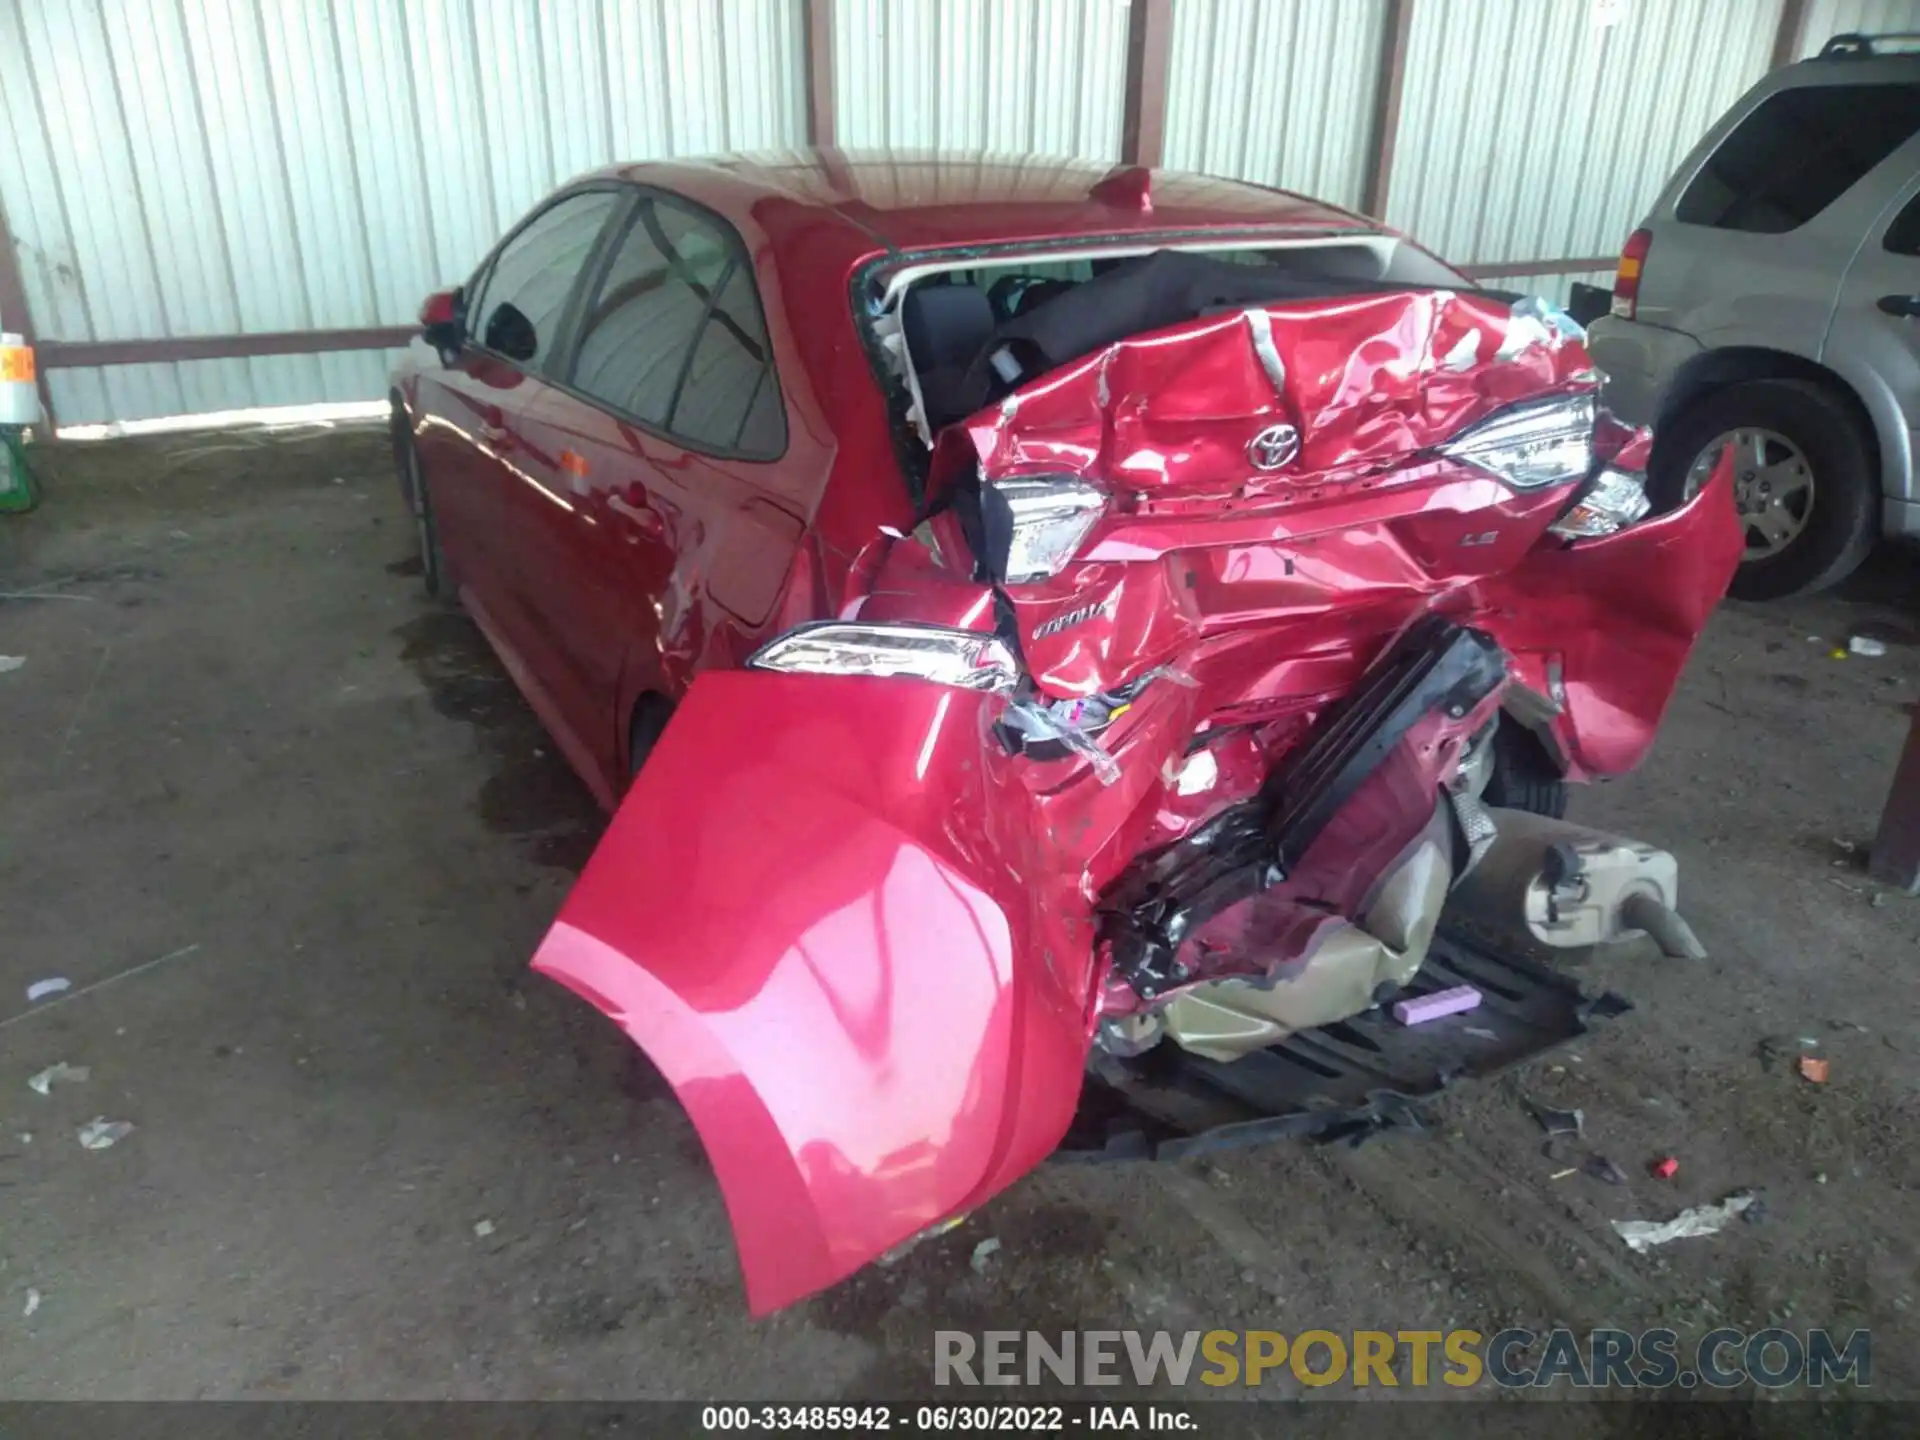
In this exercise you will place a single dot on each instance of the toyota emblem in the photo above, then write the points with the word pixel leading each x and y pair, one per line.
pixel 1273 447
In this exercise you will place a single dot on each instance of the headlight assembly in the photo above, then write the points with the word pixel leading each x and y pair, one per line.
pixel 1612 501
pixel 1034 526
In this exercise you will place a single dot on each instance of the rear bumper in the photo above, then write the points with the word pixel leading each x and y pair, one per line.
pixel 1639 361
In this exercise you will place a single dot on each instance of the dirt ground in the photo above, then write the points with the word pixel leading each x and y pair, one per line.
pixel 374 1157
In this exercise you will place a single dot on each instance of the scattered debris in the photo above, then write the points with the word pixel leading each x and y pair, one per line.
pixel 982 1253
pixel 1480 1032
pixel 1432 1007
pixel 1756 1212
pixel 906 1246
pixel 1642 1235
pixel 33 1303
pixel 1868 646
pixel 1601 1168
pixel 1813 1068
pixel 483 1228
pixel 1665 1168
pixel 1776 1049
pixel 1562 1174
pixel 11 662
pixel 44 1082
pixel 1559 1122
pixel 71 995
pixel 1836 654
pixel 52 985
pixel 100 1132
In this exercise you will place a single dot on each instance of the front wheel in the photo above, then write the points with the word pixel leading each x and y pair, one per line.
pixel 1803 475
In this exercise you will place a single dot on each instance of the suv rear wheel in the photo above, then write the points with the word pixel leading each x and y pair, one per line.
pixel 1803 479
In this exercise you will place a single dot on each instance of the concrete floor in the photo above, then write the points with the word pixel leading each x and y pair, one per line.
pixel 243 740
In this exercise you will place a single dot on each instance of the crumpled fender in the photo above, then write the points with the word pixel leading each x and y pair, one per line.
pixel 847 963
pixel 1605 626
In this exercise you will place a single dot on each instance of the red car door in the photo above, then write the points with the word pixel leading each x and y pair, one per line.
pixel 646 544
pixel 516 319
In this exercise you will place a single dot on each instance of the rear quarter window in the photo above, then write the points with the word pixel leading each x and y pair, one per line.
pixel 1798 152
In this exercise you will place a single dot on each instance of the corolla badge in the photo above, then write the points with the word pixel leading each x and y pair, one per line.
pixel 1273 447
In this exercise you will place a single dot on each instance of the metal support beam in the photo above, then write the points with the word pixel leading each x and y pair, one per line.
pixel 1143 121
pixel 819 73
pixel 69 353
pixel 1787 37
pixel 16 318
pixel 1386 106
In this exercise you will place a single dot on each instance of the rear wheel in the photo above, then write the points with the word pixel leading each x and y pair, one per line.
pixel 650 718
pixel 433 563
pixel 1804 480
pixel 1523 777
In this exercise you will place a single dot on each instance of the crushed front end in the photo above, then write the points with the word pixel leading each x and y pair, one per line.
pixel 1154 767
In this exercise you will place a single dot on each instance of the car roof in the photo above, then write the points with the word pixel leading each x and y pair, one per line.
pixel 910 199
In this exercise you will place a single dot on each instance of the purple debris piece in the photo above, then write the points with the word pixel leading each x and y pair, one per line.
pixel 1432 1007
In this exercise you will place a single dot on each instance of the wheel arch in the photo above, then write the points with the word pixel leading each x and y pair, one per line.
pixel 1881 423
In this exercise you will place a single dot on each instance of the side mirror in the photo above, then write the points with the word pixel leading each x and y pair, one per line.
pixel 511 333
pixel 440 321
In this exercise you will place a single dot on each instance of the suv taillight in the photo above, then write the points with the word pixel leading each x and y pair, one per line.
pixel 1626 279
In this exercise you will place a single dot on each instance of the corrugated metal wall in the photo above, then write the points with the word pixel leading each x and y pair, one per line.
pixel 262 165
pixel 1038 77
pixel 1278 91
pixel 191 167
pixel 1827 18
pixel 1531 132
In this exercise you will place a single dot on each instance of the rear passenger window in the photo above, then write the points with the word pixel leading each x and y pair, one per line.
pixel 1797 153
pixel 1903 235
pixel 674 336
pixel 521 301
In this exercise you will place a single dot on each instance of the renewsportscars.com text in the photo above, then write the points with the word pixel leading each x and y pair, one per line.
pixel 1416 1359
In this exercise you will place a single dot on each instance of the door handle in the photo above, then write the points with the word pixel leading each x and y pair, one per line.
pixel 1907 305
pixel 644 519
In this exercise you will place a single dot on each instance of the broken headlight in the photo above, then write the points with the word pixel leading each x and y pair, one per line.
pixel 1032 527
pixel 964 659
pixel 1537 443
pixel 1612 500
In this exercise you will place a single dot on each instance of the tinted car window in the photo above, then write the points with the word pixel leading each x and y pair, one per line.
pixel 636 331
pixel 674 336
pixel 520 303
pixel 1903 235
pixel 728 400
pixel 1797 153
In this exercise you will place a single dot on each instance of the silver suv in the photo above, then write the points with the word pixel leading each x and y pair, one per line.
pixel 1771 302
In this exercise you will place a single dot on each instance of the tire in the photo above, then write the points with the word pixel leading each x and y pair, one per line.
pixel 413 483
pixel 650 717
pixel 1824 523
pixel 1522 777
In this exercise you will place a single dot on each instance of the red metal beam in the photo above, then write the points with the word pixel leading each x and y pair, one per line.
pixel 1143 121
pixel 1386 106
pixel 15 317
pixel 68 353
pixel 819 73
pixel 1786 37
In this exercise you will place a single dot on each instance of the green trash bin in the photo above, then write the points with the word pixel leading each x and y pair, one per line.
pixel 17 494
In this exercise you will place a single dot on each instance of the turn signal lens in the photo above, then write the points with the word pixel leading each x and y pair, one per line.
pixel 964 659
pixel 1613 501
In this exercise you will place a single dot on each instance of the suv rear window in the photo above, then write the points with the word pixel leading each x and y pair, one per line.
pixel 1797 153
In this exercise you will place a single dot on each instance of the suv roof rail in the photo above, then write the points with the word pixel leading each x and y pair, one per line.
pixel 1857 46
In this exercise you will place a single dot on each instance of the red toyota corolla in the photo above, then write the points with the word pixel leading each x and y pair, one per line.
pixel 1099 655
